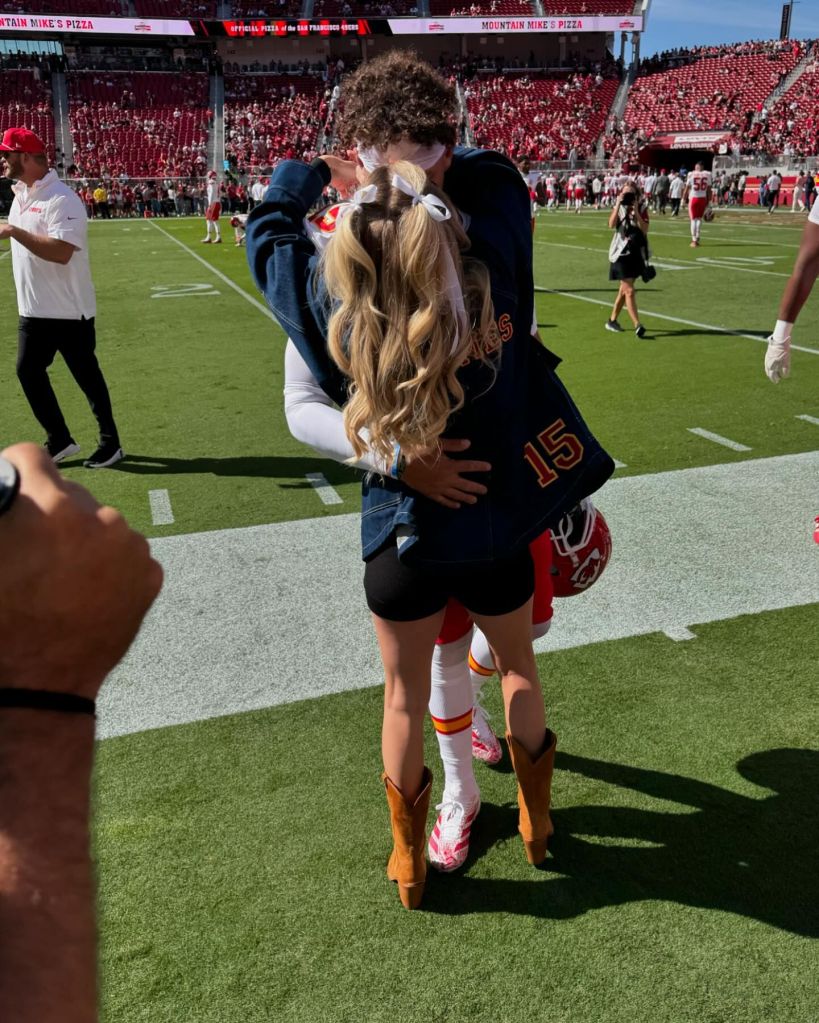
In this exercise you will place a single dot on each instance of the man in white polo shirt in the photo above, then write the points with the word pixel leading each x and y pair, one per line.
pixel 797 290
pixel 48 230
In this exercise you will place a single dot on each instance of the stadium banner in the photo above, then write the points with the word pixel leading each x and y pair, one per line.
pixel 341 26
pixel 254 28
pixel 70 23
pixel 688 140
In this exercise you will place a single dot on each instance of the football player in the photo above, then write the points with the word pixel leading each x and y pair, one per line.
pixel 213 211
pixel 239 224
pixel 797 290
pixel 698 192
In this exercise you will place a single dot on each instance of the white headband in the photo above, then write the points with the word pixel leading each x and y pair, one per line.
pixel 422 156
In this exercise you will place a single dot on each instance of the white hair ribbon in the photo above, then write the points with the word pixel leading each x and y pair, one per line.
pixel 434 206
pixel 361 197
pixel 422 156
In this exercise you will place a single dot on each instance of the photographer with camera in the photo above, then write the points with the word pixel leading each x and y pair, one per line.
pixel 628 254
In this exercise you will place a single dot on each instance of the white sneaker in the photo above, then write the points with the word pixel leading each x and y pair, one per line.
pixel 448 845
pixel 485 744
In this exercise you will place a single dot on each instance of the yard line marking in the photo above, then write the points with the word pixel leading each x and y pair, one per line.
pixel 673 319
pixel 718 439
pixel 619 465
pixel 161 512
pixel 223 277
pixel 686 264
pixel 679 633
pixel 4 254
pixel 327 494
pixel 810 419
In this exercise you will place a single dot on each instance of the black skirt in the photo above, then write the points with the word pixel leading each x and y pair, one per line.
pixel 627 268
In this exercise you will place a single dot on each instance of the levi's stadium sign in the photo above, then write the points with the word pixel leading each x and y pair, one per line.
pixel 255 28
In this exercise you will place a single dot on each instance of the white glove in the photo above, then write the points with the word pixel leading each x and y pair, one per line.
pixel 778 359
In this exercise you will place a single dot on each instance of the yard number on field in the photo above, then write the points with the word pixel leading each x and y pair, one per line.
pixel 182 290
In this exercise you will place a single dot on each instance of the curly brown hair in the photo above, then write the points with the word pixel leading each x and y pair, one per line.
pixel 398 96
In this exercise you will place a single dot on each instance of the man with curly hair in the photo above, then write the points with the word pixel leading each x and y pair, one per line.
pixel 397 107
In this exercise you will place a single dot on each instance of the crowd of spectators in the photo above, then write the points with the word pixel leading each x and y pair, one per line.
pixel 790 125
pixel 25 99
pixel 715 88
pixel 273 117
pixel 139 124
pixel 539 117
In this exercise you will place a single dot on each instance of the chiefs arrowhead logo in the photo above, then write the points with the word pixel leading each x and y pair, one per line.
pixel 587 572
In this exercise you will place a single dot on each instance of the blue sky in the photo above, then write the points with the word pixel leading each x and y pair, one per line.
pixel 674 23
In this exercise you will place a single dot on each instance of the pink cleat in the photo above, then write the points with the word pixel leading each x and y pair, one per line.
pixel 485 744
pixel 448 845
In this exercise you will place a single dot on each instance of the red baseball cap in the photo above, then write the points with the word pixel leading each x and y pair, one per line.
pixel 21 140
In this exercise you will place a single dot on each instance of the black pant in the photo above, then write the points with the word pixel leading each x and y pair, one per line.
pixel 39 341
pixel 675 207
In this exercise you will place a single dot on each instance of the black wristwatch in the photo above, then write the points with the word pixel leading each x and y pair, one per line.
pixel 9 484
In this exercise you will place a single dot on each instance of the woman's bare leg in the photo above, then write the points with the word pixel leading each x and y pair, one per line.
pixel 406 652
pixel 510 638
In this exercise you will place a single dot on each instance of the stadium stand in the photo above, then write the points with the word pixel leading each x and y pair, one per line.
pixel 175 8
pixel 139 124
pixel 346 9
pixel 271 117
pixel 503 8
pixel 709 88
pixel 542 118
pixel 25 101
pixel 100 8
pixel 271 9
pixel 791 125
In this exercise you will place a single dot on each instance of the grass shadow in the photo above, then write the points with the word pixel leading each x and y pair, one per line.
pixel 754 856
pixel 249 466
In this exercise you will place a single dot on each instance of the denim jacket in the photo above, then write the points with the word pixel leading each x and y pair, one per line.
pixel 520 418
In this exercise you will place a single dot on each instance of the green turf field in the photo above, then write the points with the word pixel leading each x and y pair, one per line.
pixel 241 855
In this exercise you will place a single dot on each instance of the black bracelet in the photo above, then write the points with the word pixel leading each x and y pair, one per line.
pixel 9 484
pixel 47 699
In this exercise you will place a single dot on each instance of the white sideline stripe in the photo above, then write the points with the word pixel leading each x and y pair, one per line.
pixel 672 319
pixel 254 617
pixel 718 439
pixel 231 284
pixel 687 264
pixel 809 419
pixel 327 493
pixel 679 634
pixel 161 512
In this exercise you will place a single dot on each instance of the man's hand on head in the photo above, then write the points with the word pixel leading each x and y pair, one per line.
pixel 77 582
pixel 344 172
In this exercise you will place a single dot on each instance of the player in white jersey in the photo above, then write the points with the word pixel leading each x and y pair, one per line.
pixel 698 193
pixel 550 183
pixel 213 211
pixel 579 191
pixel 239 224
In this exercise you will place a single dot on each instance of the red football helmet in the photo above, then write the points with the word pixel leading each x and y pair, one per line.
pixel 581 545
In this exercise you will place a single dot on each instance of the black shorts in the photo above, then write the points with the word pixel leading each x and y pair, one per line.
pixel 405 593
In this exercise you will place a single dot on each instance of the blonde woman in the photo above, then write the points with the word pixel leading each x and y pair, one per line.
pixel 425 343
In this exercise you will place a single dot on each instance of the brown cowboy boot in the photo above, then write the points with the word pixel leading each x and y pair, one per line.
pixel 534 795
pixel 407 864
